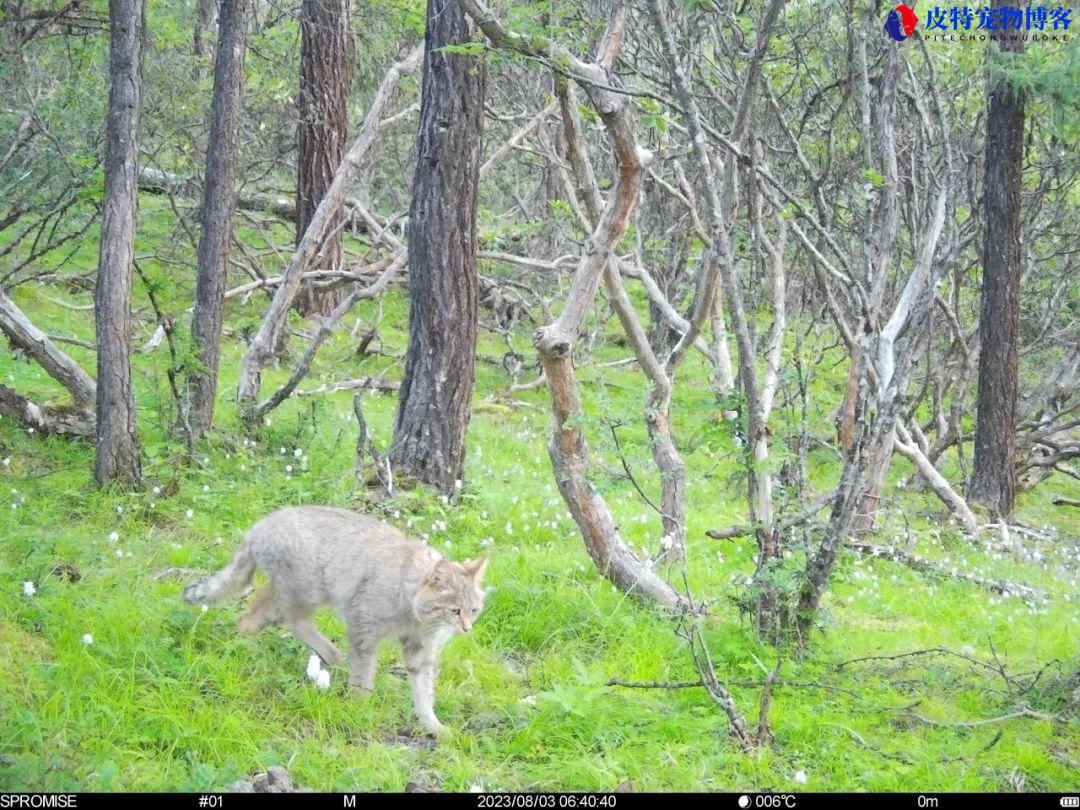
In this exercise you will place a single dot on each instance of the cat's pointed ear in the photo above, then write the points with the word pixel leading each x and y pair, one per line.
pixel 476 568
pixel 441 575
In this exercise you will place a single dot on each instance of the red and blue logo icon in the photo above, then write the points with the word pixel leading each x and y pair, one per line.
pixel 901 22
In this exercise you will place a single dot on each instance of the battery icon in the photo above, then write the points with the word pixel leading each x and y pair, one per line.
pixel 1070 801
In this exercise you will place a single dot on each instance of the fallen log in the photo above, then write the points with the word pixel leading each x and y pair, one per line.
pixel 77 422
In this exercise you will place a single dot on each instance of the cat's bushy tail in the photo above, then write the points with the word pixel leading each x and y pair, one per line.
pixel 234 576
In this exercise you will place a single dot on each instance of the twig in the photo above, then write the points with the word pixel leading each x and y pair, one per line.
pixel 166 324
pixel 764 733
pixel 630 475
pixel 861 741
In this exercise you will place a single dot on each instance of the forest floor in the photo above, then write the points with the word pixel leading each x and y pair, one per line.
pixel 111 682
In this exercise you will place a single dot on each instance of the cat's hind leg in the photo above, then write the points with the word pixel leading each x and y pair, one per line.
pixel 304 630
pixel 264 611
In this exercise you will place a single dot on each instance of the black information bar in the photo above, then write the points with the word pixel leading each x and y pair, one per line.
pixel 539 801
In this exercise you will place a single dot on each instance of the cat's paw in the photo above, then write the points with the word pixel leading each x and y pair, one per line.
pixel 248 624
pixel 433 727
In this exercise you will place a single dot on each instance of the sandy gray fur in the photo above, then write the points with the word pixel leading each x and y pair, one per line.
pixel 381 583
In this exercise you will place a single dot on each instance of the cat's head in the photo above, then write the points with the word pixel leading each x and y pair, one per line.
pixel 451 595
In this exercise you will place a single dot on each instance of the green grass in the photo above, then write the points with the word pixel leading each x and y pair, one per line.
pixel 167 697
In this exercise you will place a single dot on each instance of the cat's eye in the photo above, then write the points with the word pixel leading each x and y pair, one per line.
pixel 457 611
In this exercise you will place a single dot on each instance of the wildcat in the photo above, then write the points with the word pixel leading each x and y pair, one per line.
pixel 380 582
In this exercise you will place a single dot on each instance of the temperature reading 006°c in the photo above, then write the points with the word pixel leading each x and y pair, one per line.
pixel 770 801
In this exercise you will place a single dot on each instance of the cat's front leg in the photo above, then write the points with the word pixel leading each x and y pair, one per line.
pixel 420 657
pixel 363 660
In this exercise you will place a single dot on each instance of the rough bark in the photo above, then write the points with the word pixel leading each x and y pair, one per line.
pixel 324 90
pixel 993 481
pixel 117 458
pixel 436 389
pixel 219 200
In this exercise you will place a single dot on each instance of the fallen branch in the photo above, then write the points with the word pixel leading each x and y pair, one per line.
pixel 362 274
pixel 1022 713
pixel 361 384
pixel 160 182
pixel 77 422
pixel 742 684
pixel 36 345
pixel 325 330
pixel 926 566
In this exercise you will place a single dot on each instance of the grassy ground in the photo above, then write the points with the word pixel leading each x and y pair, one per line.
pixel 166 697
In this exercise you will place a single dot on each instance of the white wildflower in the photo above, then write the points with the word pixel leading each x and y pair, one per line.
pixel 800 777
pixel 28 588
pixel 87 639
pixel 297 453
pixel 114 536
pixel 190 513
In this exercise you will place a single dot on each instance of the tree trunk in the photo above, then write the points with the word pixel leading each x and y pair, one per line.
pixel 993 481
pixel 324 124
pixel 433 406
pixel 117 458
pixel 219 199
pixel 206 20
